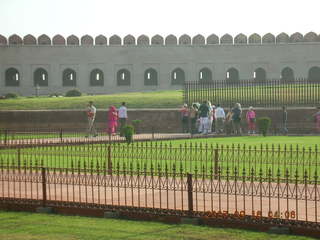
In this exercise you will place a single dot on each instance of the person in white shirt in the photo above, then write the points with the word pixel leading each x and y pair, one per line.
pixel 122 113
pixel 220 117
pixel 91 114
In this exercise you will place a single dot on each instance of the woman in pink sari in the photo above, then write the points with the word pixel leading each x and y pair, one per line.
pixel 112 120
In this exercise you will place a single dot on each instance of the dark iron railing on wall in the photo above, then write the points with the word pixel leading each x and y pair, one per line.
pixel 269 93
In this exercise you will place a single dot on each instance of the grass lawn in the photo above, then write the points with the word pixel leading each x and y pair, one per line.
pixel 153 99
pixel 31 226
pixel 195 155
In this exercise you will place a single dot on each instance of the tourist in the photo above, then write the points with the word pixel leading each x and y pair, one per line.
pixel 228 122
pixel 193 117
pixel 219 119
pixel 317 120
pixel 112 120
pixel 236 119
pixel 91 114
pixel 185 118
pixel 204 114
pixel 211 117
pixel 284 128
pixel 122 113
pixel 251 120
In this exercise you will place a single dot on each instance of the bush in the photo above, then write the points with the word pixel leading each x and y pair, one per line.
pixel 127 131
pixel 73 93
pixel 136 123
pixel 11 95
pixel 264 124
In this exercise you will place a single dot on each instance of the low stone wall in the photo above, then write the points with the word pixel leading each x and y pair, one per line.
pixel 157 120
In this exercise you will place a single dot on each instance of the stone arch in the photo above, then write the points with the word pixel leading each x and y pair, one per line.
pixel 311 37
pixel 255 39
pixel 171 40
pixel 44 40
pixel 100 40
pixel 40 77
pixel 205 75
pixel 96 78
pixel 86 40
pixel 72 40
pixel 282 38
pixel 177 77
pixel 198 40
pixel 69 78
pixel 123 77
pixel 232 75
pixel 15 40
pixel 29 40
pixel 12 77
pixel 184 40
pixel 212 39
pixel 314 74
pixel 287 75
pixel 260 75
pixel 58 40
pixel 150 77
pixel 296 37
pixel 129 40
pixel 268 38
pixel 226 39
pixel 143 40
pixel 3 40
pixel 115 40
pixel 157 40
pixel 241 39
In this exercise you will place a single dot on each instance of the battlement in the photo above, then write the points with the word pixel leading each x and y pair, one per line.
pixel 170 40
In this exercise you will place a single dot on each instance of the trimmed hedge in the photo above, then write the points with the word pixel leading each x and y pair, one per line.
pixel 264 124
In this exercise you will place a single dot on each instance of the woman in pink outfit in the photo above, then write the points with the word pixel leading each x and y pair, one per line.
pixel 317 120
pixel 112 120
pixel 251 120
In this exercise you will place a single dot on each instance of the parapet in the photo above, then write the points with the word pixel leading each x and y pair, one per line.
pixel 170 40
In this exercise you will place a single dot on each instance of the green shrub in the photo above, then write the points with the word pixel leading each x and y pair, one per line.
pixel 264 124
pixel 73 93
pixel 127 131
pixel 11 95
pixel 136 123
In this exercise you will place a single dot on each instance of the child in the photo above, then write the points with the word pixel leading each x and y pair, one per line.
pixel 251 120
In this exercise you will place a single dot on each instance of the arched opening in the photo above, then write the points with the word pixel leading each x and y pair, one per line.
pixel 123 77
pixel 287 75
pixel 150 77
pixel 314 75
pixel 177 77
pixel 205 75
pixel 259 75
pixel 232 76
pixel 69 78
pixel 40 77
pixel 96 78
pixel 12 77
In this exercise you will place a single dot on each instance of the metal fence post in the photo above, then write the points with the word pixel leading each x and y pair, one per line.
pixel 5 136
pixel 109 160
pixel 216 161
pixel 44 187
pixel 190 194
pixel 152 132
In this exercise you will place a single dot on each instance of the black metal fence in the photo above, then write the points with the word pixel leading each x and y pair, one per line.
pixel 269 93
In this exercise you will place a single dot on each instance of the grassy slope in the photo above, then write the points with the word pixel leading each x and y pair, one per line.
pixel 27 226
pixel 156 99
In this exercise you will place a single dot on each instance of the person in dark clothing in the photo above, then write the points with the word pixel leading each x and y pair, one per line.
pixel 204 117
pixel 236 119
pixel 284 128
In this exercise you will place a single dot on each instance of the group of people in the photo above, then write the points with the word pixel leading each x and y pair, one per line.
pixel 207 118
pixel 114 116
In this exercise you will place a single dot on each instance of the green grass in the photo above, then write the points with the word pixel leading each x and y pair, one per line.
pixel 152 99
pixel 31 226
pixel 196 155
